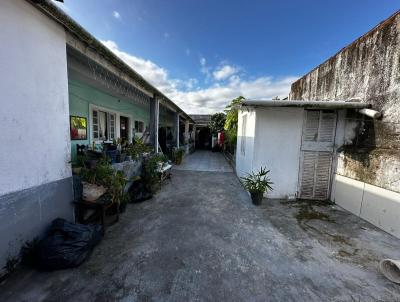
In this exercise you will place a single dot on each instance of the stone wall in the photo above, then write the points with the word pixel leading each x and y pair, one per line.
pixel 369 70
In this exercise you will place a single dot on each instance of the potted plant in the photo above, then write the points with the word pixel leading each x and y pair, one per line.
pixel 257 183
pixel 95 180
pixel 137 149
pixel 151 174
pixel 178 155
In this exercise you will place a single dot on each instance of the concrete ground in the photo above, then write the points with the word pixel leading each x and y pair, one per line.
pixel 201 239
pixel 202 160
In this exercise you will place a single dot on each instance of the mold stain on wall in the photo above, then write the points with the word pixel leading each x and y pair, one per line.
pixel 368 70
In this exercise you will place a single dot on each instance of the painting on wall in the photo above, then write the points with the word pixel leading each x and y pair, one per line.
pixel 78 126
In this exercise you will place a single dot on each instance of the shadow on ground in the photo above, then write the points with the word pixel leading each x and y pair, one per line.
pixel 201 239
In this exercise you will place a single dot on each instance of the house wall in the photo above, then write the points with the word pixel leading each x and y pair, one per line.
pixel 369 70
pixel 81 95
pixel 277 147
pixel 35 174
pixel 244 161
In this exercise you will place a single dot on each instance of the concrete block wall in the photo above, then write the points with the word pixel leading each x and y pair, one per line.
pixel 378 206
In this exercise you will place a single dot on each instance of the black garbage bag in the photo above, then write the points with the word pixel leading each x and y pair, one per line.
pixel 139 191
pixel 67 244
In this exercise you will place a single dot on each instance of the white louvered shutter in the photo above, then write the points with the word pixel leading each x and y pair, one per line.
pixel 307 174
pixel 317 146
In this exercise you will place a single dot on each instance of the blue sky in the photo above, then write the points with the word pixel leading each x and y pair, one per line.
pixel 204 53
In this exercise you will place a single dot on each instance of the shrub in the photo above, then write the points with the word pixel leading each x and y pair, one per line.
pixel 178 155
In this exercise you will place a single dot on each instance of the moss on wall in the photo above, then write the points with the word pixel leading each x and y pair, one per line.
pixel 369 70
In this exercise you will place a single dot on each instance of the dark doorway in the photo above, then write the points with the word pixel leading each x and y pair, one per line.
pixel 203 140
pixel 123 128
pixel 166 140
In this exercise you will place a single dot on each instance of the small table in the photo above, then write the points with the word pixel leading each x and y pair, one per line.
pixel 100 207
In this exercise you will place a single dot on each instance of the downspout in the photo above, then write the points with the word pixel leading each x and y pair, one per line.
pixel 371 113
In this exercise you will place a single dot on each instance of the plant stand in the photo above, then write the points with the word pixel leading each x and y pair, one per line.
pixel 90 212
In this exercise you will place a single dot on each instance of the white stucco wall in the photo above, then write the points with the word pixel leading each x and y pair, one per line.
pixel 34 115
pixel 244 160
pixel 277 147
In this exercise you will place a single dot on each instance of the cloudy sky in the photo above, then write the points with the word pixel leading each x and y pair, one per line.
pixel 204 53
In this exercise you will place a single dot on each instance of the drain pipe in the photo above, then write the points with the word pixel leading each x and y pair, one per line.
pixel 390 269
pixel 370 112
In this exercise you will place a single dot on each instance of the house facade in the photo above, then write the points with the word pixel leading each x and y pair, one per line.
pixel 337 137
pixel 55 75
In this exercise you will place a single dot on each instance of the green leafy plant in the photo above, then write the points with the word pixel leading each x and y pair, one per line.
pixel 217 122
pixel 116 187
pixel 101 175
pixel 258 182
pixel 231 123
pixel 137 148
pixel 151 169
pixel 178 155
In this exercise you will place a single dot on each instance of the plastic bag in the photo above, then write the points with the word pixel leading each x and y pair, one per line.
pixel 67 244
pixel 139 192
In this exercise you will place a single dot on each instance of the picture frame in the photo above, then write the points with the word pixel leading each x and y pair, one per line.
pixel 78 127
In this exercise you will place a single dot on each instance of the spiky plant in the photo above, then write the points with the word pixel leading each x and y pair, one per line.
pixel 258 182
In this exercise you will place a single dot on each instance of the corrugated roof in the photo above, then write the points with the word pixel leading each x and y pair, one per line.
pixel 306 104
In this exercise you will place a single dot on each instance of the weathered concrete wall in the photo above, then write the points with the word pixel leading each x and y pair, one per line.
pixel 369 70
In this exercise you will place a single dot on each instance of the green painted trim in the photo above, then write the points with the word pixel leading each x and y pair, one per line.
pixel 82 96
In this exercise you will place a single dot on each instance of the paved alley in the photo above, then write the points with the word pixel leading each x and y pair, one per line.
pixel 201 239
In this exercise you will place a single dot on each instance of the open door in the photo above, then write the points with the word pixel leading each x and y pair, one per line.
pixel 317 145
pixel 123 128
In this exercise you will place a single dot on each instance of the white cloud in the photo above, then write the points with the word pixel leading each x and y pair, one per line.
pixel 224 72
pixel 215 98
pixel 204 68
pixel 116 15
pixel 211 99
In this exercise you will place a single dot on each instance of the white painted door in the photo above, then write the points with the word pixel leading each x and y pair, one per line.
pixel 316 154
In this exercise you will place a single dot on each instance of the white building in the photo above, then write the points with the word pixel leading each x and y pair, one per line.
pixel 302 143
pixel 319 147
pixel 296 140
